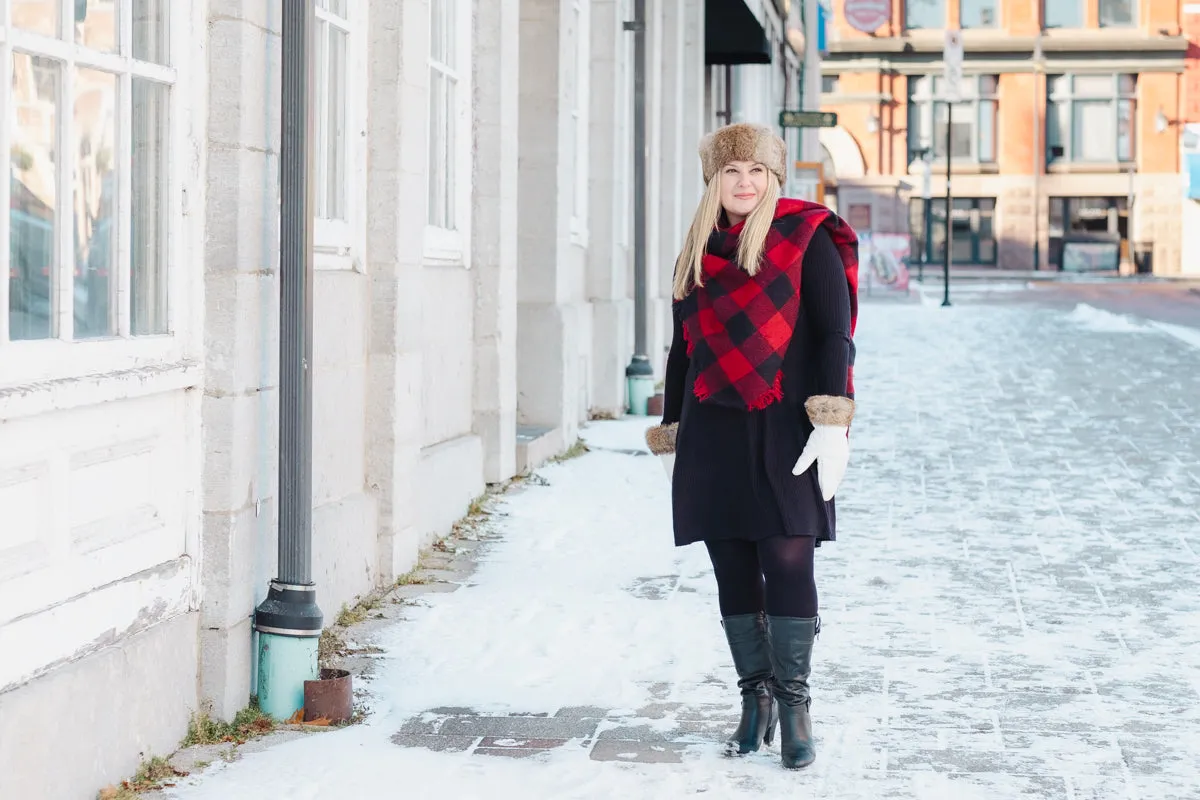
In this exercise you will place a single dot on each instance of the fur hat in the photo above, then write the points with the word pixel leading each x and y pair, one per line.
pixel 743 142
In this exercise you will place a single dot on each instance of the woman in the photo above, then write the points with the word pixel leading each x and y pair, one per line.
pixel 757 412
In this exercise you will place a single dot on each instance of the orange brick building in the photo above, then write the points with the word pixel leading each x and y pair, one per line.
pixel 1065 148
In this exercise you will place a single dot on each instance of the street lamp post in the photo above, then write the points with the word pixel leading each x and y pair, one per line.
pixel 288 621
pixel 639 375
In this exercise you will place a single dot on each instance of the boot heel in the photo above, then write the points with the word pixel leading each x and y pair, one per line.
pixel 772 724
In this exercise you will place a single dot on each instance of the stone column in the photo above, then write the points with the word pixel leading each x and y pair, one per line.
pixel 611 201
pixel 496 65
pixel 241 402
pixel 548 332
pixel 396 167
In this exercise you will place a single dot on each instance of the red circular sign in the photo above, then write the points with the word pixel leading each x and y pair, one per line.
pixel 867 15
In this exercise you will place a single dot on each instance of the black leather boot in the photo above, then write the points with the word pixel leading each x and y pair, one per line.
pixel 747 635
pixel 791 644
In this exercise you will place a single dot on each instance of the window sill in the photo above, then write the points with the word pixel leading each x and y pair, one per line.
pixel 80 391
pixel 1083 167
pixel 959 167
pixel 445 247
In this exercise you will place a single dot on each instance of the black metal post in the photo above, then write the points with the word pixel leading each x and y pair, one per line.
pixel 639 366
pixel 290 608
pixel 926 237
pixel 949 208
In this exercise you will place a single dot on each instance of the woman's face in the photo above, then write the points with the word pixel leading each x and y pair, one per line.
pixel 743 184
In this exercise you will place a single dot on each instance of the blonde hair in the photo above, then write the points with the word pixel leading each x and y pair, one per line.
pixel 689 269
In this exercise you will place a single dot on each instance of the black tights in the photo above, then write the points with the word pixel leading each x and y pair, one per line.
pixel 773 575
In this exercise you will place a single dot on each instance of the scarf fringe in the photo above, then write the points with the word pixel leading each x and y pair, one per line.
pixel 687 339
pixel 767 398
pixel 774 395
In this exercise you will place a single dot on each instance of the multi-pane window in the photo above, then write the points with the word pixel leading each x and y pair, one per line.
pixel 972 123
pixel 1118 13
pixel 979 13
pixel 1062 13
pixel 443 112
pixel 924 14
pixel 1090 118
pixel 85 134
pixel 331 100
pixel 579 115
pixel 973 236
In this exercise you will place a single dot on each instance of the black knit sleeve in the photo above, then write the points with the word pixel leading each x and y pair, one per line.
pixel 825 295
pixel 676 376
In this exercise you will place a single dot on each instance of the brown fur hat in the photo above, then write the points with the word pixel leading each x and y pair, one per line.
pixel 743 142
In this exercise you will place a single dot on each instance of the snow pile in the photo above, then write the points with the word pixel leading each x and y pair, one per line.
pixel 1100 321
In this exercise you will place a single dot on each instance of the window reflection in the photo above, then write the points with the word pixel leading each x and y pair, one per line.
pixel 95 182
pixel 33 223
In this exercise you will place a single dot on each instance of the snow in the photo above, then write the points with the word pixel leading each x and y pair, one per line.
pixel 1012 609
pixel 1184 334
pixel 1101 321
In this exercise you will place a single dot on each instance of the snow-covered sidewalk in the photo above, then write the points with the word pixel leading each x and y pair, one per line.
pixel 1012 609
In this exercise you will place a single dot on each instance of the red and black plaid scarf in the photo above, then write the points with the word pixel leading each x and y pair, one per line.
pixel 738 327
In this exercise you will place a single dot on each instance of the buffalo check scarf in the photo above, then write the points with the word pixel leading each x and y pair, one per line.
pixel 738 327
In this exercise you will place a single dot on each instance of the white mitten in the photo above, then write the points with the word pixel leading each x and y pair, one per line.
pixel 829 445
pixel 668 462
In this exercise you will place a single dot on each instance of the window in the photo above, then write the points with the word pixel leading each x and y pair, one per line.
pixel 449 131
pixel 580 121
pixel 1118 13
pixel 86 135
pixel 973 239
pixel 979 13
pixel 332 54
pixel 1062 13
pixel 830 84
pixel 973 131
pixel 1089 118
pixel 924 14
pixel 1089 220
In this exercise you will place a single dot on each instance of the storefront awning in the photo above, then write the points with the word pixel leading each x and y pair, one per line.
pixel 732 34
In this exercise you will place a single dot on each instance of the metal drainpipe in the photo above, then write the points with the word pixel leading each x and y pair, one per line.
pixel 289 622
pixel 639 375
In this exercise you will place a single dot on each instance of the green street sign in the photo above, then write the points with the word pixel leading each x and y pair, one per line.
pixel 807 119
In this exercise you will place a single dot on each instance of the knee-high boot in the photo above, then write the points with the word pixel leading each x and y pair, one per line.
pixel 791 644
pixel 747 636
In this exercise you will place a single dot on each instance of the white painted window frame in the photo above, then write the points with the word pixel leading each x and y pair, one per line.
pixel 451 246
pixel 581 118
pixel 27 362
pixel 340 244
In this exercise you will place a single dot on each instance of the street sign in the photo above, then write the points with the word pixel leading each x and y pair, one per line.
pixel 867 16
pixel 807 119
pixel 952 70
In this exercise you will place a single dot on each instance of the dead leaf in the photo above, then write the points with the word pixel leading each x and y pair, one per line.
pixel 297 718
pixel 321 721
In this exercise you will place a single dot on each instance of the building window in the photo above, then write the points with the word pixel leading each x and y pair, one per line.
pixel 443 133
pixel 446 235
pixel 1087 222
pixel 973 233
pixel 1090 118
pixel 1118 13
pixel 973 131
pixel 924 14
pixel 1062 13
pixel 86 136
pixel 580 120
pixel 332 57
pixel 830 84
pixel 979 13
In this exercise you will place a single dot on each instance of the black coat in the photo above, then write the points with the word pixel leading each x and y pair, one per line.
pixel 733 468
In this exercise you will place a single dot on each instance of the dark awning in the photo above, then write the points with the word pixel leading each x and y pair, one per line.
pixel 732 34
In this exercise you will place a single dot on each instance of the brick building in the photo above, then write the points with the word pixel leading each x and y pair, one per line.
pixel 1065 149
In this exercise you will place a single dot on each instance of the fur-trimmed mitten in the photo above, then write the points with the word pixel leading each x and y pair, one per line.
pixel 661 441
pixel 829 445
